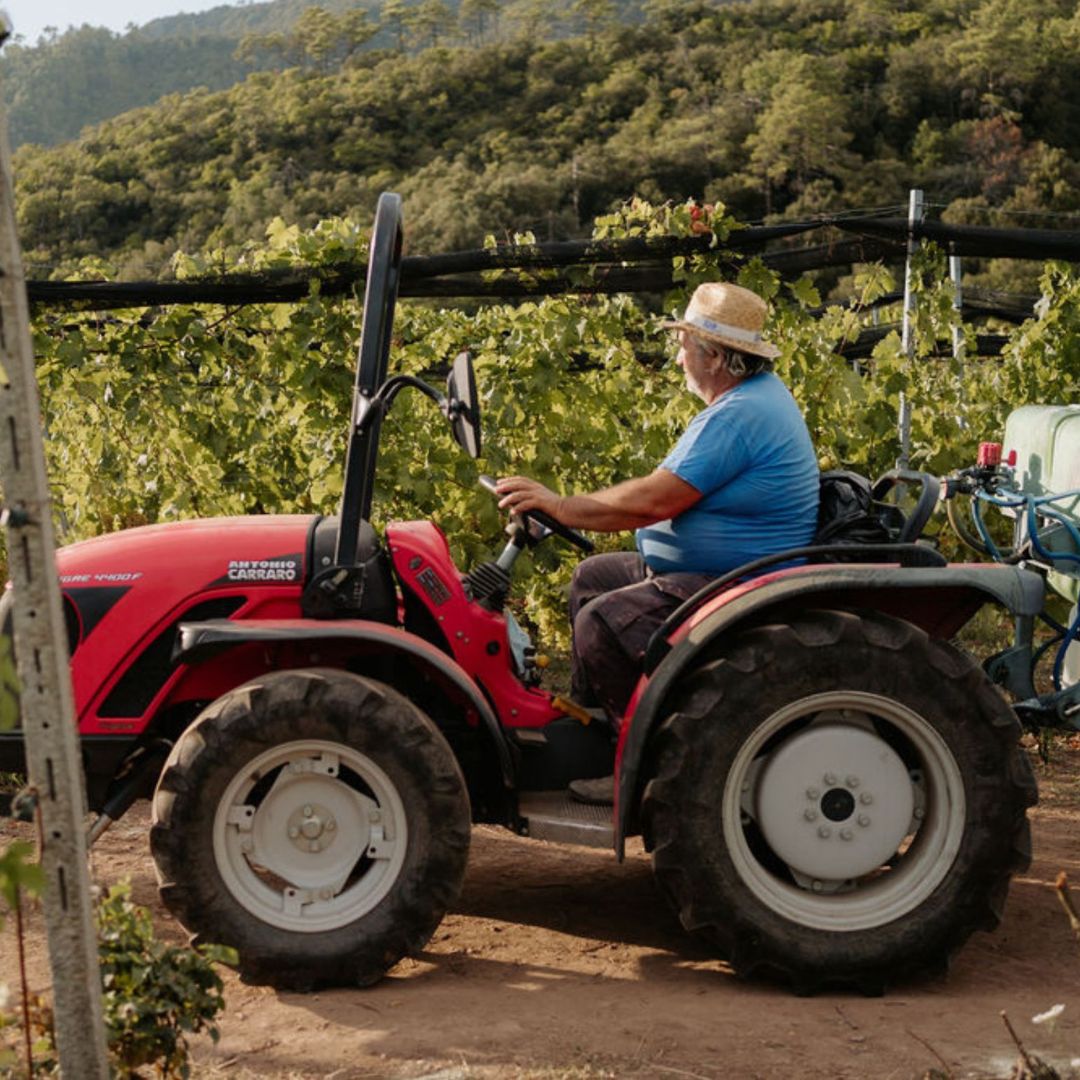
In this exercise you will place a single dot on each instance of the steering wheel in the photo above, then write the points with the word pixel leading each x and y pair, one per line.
pixel 542 519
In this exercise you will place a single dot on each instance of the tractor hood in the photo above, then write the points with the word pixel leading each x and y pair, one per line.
pixel 125 595
pixel 184 557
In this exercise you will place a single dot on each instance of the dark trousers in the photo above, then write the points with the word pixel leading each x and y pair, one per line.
pixel 616 605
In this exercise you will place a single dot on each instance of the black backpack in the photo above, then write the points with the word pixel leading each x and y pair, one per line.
pixel 847 512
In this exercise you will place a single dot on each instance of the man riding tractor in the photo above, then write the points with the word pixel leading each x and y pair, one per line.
pixel 741 483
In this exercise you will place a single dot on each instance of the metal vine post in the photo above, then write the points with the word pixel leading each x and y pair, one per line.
pixel 916 212
pixel 53 761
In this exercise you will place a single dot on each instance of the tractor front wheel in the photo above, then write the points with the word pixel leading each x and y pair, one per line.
pixel 838 800
pixel 315 821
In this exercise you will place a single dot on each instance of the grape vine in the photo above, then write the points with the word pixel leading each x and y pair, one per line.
pixel 154 415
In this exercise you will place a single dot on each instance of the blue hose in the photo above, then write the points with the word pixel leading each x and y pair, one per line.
pixel 1031 505
pixel 984 532
pixel 1036 543
pixel 1069 638
pixel 1034 506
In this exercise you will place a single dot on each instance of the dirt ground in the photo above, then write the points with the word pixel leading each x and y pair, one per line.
pixel 560 964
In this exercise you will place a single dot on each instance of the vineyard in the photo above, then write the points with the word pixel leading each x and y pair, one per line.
pixel 204 410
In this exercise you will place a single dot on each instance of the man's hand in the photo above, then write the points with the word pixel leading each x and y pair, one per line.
pixel 520 493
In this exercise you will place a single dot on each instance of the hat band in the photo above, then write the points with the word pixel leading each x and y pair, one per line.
pixel 726 329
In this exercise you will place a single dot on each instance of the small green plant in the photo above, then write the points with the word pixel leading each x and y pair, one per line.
pixel 154 994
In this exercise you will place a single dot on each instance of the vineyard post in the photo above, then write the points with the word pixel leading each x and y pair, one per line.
pixel 958 306
pixel 52 749
pixel 915 217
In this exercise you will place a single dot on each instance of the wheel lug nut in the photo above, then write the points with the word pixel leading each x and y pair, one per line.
pixel 308 811
pixel 314 846
pixel 331 824
pixel 846 834
pixel 920 813
pixel 830 779
pixel 824 832
pixel 294 832
pixel 810 815
pixel 864 820
pixel 817 886
pixel 813 793
pixel 852 781
pixel 866 798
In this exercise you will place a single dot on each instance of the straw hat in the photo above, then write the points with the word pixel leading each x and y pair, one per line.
pixel 729 315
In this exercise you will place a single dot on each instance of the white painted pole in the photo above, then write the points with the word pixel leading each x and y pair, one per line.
pixel 916 212
pixel 955 273
pixel 47 713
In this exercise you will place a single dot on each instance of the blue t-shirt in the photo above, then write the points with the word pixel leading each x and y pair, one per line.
pixel 750 456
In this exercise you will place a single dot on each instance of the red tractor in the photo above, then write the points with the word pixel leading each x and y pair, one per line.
pixel 831 792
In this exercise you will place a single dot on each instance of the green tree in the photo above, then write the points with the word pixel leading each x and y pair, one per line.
pixel 429 22
pixel 318 39
pixel 478 19
pixel 595 16
pixel 1005 48
pixel 394 16
pixel 534 19
pixel 802 133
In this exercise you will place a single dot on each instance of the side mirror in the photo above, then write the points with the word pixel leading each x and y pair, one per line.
pixel 462 407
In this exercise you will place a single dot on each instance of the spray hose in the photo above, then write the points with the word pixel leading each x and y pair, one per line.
pixel 1032 507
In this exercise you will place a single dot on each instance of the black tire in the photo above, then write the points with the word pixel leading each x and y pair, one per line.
pixel 739 774
pixel 315 821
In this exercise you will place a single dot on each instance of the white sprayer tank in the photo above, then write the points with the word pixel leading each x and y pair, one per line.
pixel 1046 439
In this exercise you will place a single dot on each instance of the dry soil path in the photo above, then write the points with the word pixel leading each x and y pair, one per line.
pixel 560 964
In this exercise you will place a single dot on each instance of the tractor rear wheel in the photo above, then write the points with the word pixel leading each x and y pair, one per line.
pixel 838 800
pixel 315 821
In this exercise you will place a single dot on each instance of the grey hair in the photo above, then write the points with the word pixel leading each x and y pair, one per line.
pixel 739 365
pixel 742 365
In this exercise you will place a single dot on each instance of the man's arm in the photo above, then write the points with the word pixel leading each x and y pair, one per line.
pixel 628 505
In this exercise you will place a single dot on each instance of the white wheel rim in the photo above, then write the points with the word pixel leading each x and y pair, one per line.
pixel 840 883
pixel 310 836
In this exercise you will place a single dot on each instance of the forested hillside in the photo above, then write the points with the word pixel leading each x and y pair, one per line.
pixel 56 86
pixel 775 107
pixel 54 89
pixel 237 20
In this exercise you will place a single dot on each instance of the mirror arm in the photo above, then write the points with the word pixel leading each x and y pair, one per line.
pixel 381 402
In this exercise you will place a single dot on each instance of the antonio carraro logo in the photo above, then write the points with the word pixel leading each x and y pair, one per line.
pixel 280 570
pixel 263 570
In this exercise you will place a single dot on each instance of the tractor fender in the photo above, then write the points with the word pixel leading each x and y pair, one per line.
pixel 938 600
pixel 197 642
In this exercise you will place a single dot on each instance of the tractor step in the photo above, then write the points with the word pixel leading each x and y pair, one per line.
pixel 554 816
